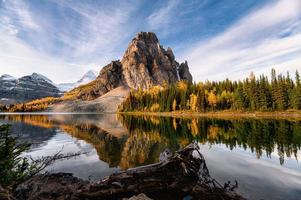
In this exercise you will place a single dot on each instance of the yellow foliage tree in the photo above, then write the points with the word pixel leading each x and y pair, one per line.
pixel 194 127
pixel 174 123
pixel 212 99
pixel 154 91
pixel 193 102
pixel 213 132
pixel 155 107
pixel 182 85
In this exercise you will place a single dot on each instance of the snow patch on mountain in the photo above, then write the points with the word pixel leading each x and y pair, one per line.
pixel 42 77
pixel 86 78
pixel 26 88
pixel 7 77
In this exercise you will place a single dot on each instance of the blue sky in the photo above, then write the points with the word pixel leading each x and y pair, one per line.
pixel 219 38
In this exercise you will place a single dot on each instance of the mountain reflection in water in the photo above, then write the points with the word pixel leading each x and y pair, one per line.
pixel 124 141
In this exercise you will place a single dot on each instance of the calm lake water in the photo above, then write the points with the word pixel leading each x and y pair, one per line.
pixel 262 155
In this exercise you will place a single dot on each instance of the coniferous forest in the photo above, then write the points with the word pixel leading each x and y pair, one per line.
pixel 279 93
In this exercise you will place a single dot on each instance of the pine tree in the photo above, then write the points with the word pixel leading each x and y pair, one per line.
pixel 202 101
pixel 282 98
pixel 296 96
pixel 281 93
pixel 274 86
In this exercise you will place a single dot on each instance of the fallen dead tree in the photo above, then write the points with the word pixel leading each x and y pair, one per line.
pixel 185 172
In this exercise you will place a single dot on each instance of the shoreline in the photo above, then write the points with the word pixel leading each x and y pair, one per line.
pixel 291 115
pixel 223 114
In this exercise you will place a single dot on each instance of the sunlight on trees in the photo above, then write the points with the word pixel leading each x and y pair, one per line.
pixel 280 93
pixel 212 100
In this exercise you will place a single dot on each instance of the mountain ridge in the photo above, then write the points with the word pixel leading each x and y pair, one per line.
pixel 26 88
pixel 86 78
pixel 144 64
pixel 17 90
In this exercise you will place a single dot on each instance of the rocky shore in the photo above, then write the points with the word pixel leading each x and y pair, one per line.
pixel 174 177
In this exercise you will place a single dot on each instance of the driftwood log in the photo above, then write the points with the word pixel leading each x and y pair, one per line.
pixel 184 173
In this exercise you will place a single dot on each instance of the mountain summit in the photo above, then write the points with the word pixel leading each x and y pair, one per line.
pixel 144 64
pixel 86 78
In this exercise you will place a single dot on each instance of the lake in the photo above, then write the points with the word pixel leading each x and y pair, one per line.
pixel 261 154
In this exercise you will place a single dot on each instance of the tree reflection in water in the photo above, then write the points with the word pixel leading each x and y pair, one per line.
pixel 259 136
pixel 129 141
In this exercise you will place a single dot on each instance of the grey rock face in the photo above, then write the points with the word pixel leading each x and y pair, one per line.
pixel 26 88
pixel 110 77
pixel 145 63
pixel 184 72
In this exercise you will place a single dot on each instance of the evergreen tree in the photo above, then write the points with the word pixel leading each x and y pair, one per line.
pixel 253 94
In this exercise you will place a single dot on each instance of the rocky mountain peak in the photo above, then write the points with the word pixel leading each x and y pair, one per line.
pixel 170 53
pixel 26 88
pixel 146 37
pixel 7 77
pixel 88 76
pixel 144 64
pixel 184 72
pixel 41 77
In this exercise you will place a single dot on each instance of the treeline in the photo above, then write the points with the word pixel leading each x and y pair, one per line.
pixel 38 104
pixel 32 106
pixel 280 93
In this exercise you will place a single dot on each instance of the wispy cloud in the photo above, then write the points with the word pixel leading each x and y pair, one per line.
pixel 16 15
pixel 24 15
pixel 172 17
pixel 254 43
pixel 62 38
pixel 102 28
pixel 163 16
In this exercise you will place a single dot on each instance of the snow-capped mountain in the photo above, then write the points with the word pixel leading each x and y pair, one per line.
pixel 86 78
pixel 26 88
pixel 42 77
pixel 35 86
pixel 7 77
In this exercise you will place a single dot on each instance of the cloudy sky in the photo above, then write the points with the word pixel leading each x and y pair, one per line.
pixel 219 38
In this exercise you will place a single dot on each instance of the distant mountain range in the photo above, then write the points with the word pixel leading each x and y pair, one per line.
pixel 86 78
pixel 35 86
pixel 144 64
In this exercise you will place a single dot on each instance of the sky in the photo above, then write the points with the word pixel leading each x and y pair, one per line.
pixel 220 39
